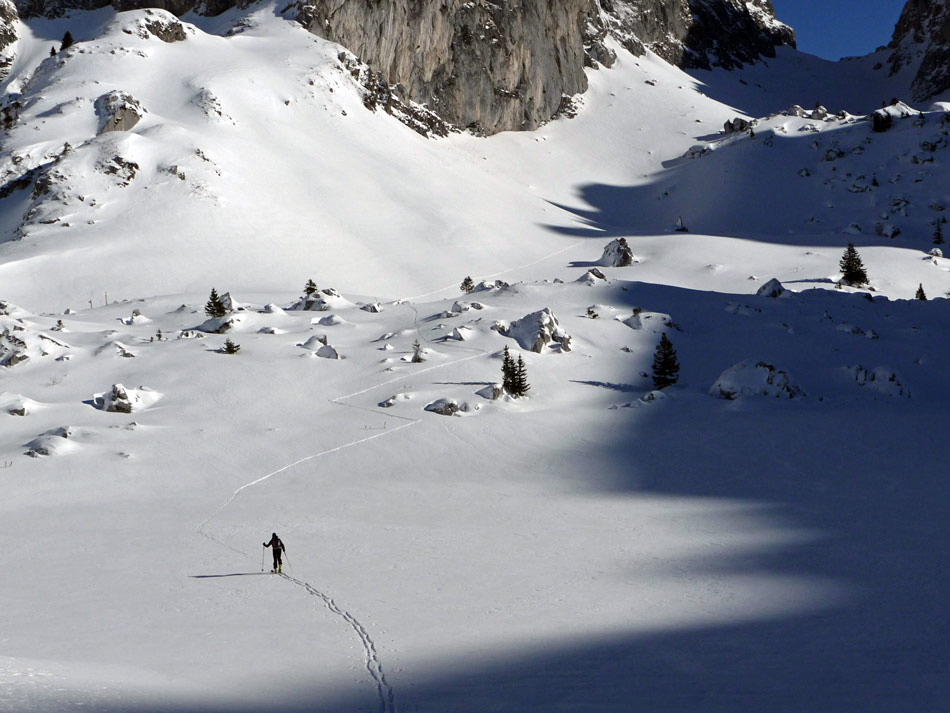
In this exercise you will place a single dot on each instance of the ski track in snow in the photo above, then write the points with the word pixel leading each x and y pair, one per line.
pixel 387 697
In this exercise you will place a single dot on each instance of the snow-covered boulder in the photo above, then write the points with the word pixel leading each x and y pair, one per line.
pixel 444 407
pixel 592 277
pixel 136 318
pixel 20 341
pixel 271 308
pixel 328 352
pixel 880 379
pixel 773 288
pixel 118 111
pixel 747 379
pixel 321 301
pixel 492 392
pixel 617 253
pixel 123 400
pixel 935 252
pixel 535 331
pixel 458 307
pixel 372 307
pixel 55 442
pixel 461 334
pixel 737 125
pixel 16 405
pixel 315 342
pixel 331 320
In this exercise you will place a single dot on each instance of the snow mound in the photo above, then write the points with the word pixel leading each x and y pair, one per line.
pixel 392 400
pixel 535 331
pixel 492 392
pixel 444 407
pixel 58 441
pixel 330 321
pixel 592 277
pixel 116 348
pixel 882 380
pixel 136 318
pixel 122 400
pixel 321 301
pixel 315 342
pixel 459 307
pixel 462 334
pixel 640 319
pixel 17 405
pixel 20 342
pixel 746 379
pixel 271 308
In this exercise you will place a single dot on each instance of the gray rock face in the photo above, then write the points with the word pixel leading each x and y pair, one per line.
pixel 118 111
pixel 8 19
pixel 922 35
pixel 488 66
pixel 497 65
pixel 699 34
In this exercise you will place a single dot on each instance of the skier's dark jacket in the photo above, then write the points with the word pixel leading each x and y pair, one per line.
pixel 275 543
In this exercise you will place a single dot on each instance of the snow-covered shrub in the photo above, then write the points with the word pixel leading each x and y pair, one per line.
pixel 761 379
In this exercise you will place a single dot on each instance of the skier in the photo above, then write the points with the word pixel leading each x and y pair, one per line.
pixel 278 549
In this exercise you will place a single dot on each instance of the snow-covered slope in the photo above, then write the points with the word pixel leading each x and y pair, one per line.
pixel 766 535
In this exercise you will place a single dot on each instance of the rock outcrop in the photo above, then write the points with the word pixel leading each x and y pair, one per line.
pixel 492 66
pixel 699 34
pixel 922 35
pixel 118 111
pixel 486 66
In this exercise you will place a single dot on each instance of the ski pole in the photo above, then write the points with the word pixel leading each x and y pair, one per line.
pixel 262 557
pixel 288 562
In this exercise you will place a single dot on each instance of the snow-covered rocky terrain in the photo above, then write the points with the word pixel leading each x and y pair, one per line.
pixel 766 535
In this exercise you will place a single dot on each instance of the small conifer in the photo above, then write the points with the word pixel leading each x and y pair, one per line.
pixel 921 295
pixel 310 287
pixel 52 51
pixel 519 382
pixel 230 347
pixel 467 284
pixel 67 41
pixel 507 370
pixel 666 368
pixel 938 232
pixel 417 352
pixel 852 268
pixel 215 307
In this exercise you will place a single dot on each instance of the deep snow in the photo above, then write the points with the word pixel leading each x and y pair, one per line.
pixel 595 547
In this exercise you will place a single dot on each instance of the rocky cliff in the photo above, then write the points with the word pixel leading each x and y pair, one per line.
pixel 922 35
pixel 699 34
pixel 504 64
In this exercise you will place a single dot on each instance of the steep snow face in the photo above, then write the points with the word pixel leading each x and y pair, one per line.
pixel 922 41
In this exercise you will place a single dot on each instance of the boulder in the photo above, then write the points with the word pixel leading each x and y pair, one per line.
pixel 617 254
pixel 118 111
pixel 535 331
pixel 746 379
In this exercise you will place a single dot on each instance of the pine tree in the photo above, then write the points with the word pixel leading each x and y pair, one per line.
pixel 938 232
pixel 52 51
pixel 507 372
pixel 230 347
pixel 921 295
pixel 67 41
pixel 215 307
pixel 310 287
pixel 467 284
pixel 519 382
pixel 666 368
pixel 417 353
pixel 852 268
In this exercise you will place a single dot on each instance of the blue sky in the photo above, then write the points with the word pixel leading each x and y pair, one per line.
pixel 840 28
